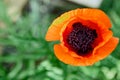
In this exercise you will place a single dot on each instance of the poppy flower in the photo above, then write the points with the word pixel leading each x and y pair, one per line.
pixel 85 36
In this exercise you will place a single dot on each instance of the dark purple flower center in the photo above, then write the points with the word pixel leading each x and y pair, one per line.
pixel 81 38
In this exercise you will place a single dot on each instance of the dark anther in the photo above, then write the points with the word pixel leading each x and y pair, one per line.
pixel 81 38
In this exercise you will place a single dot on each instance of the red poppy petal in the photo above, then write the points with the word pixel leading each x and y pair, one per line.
pixel 95 15
pixel 53 32
pixel 105 50
pixel 68 59
pixel 106 36
pixel 85 61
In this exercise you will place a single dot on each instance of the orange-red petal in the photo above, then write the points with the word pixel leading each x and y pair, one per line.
pixel 94 15
pixel 101 53
pixel 66 57
pixel 106 36
pixel 53 32
pixel 105 50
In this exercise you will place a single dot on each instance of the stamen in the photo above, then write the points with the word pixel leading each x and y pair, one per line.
pixel 81 38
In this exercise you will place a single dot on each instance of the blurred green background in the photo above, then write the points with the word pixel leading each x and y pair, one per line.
pixel 24 53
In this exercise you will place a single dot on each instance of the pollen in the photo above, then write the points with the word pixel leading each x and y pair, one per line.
pixel 81 38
